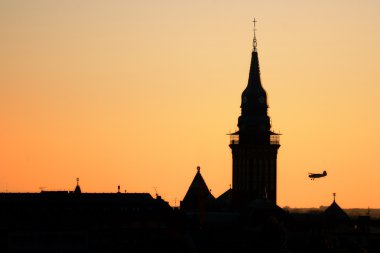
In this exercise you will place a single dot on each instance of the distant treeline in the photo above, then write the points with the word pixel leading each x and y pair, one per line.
pixel 353 212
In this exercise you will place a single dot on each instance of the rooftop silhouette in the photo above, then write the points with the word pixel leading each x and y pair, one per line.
pixel 245 218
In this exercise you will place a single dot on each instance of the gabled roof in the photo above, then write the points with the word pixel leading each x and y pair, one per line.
pixel 198 196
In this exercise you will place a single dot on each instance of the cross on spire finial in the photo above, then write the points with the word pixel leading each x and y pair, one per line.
pixel 334 194
pixel 254 35
pixel 77 180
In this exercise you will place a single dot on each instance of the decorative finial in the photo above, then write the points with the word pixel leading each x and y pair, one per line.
pixel 334 194
pixel 77 180
pixel 198 168
pixel 254 35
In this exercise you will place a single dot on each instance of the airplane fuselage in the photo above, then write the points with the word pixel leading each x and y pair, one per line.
pixel 317 175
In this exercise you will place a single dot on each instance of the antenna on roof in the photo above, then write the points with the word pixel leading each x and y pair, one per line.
pixel 155 189
pixel 118 189
pixel 77 180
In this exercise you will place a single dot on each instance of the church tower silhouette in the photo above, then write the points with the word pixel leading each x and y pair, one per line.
pixel 254 146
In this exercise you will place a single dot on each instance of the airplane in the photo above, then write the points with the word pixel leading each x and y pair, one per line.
pixel 317 175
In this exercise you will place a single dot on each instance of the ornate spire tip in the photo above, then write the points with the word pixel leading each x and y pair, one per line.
pixel 254 35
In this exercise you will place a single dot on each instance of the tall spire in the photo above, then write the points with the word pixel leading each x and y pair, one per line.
pixel 254 146
pixel 254 72
pixel 254 122
pixel 254 96
pixel 254 35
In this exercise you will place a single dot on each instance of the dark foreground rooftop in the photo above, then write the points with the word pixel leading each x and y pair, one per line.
pixel 69 221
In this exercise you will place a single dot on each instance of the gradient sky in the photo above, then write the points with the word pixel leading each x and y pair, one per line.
pixel 138 93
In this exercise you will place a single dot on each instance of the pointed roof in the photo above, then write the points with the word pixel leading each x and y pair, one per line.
pixel 254 94
pixel 226 196
pixel 198 196
pixel 225 200
pixel 254 123
pixel 254 97
pixel 335 213
pixel 77 188
pixel 254 88
pixel 254 79
pixel 198 187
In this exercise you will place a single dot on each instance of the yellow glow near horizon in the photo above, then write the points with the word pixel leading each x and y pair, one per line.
pixel 138 93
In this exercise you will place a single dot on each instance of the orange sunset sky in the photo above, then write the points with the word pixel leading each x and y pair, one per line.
pixel 138 93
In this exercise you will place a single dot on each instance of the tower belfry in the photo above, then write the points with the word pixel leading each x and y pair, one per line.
pixel 254 146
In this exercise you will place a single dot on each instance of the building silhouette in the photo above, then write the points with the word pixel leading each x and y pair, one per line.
pixel 245 218
pixel 198 197
pixel 254 146
pixel 254 154
pixel 73 221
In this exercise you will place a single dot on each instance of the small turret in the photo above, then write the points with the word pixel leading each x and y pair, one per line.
pixel 334 213
pixel 77 188
pixel 198 197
